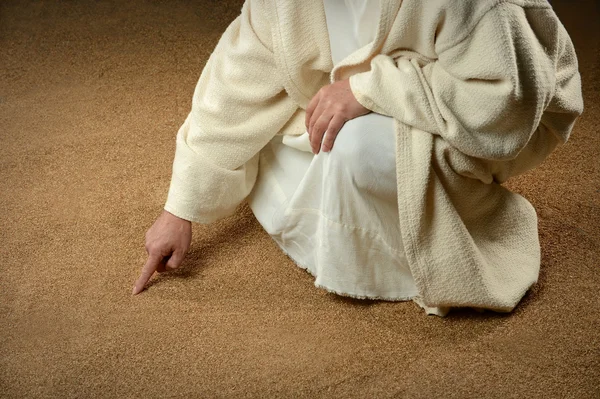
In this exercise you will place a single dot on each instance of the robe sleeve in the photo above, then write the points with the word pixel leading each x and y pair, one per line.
pixel 239 104
pixel 512 78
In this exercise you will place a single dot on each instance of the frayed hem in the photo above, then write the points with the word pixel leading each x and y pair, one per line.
pixel 441 311
pixel 364 297
pixel 348 295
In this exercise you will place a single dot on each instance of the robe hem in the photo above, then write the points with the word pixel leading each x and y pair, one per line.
pixel 442 312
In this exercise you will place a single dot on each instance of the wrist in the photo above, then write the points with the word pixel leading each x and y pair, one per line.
pixel 171 215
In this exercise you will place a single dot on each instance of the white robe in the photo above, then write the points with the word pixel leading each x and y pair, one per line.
pixel 479 91
pixel 335 214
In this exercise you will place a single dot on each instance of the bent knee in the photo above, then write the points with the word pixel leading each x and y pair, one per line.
pixel 371 133
pixel 365 146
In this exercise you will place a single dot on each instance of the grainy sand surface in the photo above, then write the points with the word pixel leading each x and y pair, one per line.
pixel 91 96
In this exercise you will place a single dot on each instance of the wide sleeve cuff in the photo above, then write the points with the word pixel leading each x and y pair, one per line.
pixel 239 104
pixel 202 191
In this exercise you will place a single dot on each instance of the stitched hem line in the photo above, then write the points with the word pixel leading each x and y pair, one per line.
pixel 340 293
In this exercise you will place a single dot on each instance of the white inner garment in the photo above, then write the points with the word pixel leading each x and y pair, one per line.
pixel 335 213
pixel 351 24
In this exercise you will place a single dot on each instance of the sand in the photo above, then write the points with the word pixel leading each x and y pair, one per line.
pixel 91 96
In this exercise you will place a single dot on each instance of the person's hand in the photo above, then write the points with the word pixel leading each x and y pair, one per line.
pixel 167 242
pixel 327 112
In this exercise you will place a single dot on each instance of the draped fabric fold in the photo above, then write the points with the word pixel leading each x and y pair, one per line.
pixel 466 122
pixel 239 104
pixel 481 90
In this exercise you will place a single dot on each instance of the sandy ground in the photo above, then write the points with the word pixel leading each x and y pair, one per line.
pixel 91 96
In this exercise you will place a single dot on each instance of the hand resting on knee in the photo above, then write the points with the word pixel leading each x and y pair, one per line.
pixel 327 112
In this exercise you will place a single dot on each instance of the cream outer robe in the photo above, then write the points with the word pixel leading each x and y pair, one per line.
pixel 481 90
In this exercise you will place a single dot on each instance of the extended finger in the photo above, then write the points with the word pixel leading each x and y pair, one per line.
pixel 312 105
pixel 335 125
pixel 319 131
pixel 147 272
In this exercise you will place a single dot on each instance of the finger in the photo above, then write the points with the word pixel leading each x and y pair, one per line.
pixel 316 116
pixel 335 125
pixel 312 105
pixel 161 266
pixel 147 272
pixel 174 261
pixel 318 132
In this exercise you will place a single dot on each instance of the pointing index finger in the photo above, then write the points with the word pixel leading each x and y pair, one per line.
pixel 147 272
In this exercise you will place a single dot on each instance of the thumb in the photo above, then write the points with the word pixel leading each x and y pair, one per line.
pixel 174 260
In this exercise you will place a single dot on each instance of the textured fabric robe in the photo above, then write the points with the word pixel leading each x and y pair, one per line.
pixel 480 91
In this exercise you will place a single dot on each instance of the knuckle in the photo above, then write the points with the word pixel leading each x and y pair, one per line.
pixel 332 134
pixel 318 135
pixel 153 248
pixel 149 245
pixel 318 127
pixel 339 125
